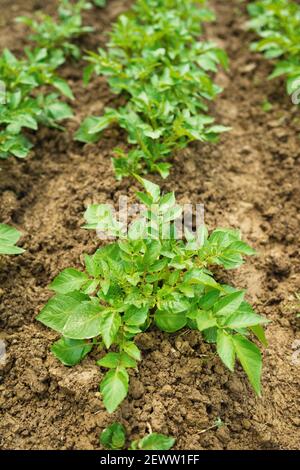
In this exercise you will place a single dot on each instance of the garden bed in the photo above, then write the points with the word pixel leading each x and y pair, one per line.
pixel 250 180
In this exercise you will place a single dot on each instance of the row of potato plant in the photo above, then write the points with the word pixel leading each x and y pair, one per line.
pixel 25 101
pixel 148 276
pixel 277 22
pixel 155 59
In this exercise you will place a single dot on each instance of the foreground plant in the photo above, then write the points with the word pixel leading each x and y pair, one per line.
pixel 9 236
pixel 150 277
pixel 277 22
pixel 154 59
pixel 114 438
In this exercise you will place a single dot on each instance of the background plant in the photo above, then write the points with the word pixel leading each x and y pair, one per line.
pixel 147 277
pixel 155 59
pixel 25 102
pixel 25 106
pixel 114 438
pixel 277 22
pixel 57 34
pixel 9 236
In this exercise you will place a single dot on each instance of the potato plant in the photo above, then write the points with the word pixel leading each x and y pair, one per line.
pixel 154 59
pixel 277 22
pixel 114 438
pixel 151 277
pixel 57 36
pixel 9 237
pixel 24 103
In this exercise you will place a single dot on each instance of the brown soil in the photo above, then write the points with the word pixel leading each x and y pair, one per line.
pixel 250 180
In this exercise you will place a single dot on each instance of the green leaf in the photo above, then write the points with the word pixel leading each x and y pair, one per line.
pixel 163 169
pixel 92 266
pixel 152 252
pixel 101 123
pixel 145 198
pixel 167 201
pixel 170 321
pixel 127 361
pixel 113 437
pixel 68 280
pixel 60 111
pixel 204 319
pixel 111 360
pixel 225 349
pixel 208 300
pixel 258 331
pixel 197 276
pixel 63 87
pixel 9 236
pixel 210 335
pixel 114 388
pixel 156 441
pixel 83 133
pixel 110 324
pixel 135 316
pixel 71 317
pixel 152 189
pixel 244 318
pixel 229 303
pixel 132 350
pixel 241 247
pixel 71 351
pixel 250 357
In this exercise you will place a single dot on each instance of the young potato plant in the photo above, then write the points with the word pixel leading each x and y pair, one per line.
pixel 57 36
pixel 155 59
pixel 114 438
pixel 23 105
pixel 150 277
pixel 277 22
pixel 9 236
